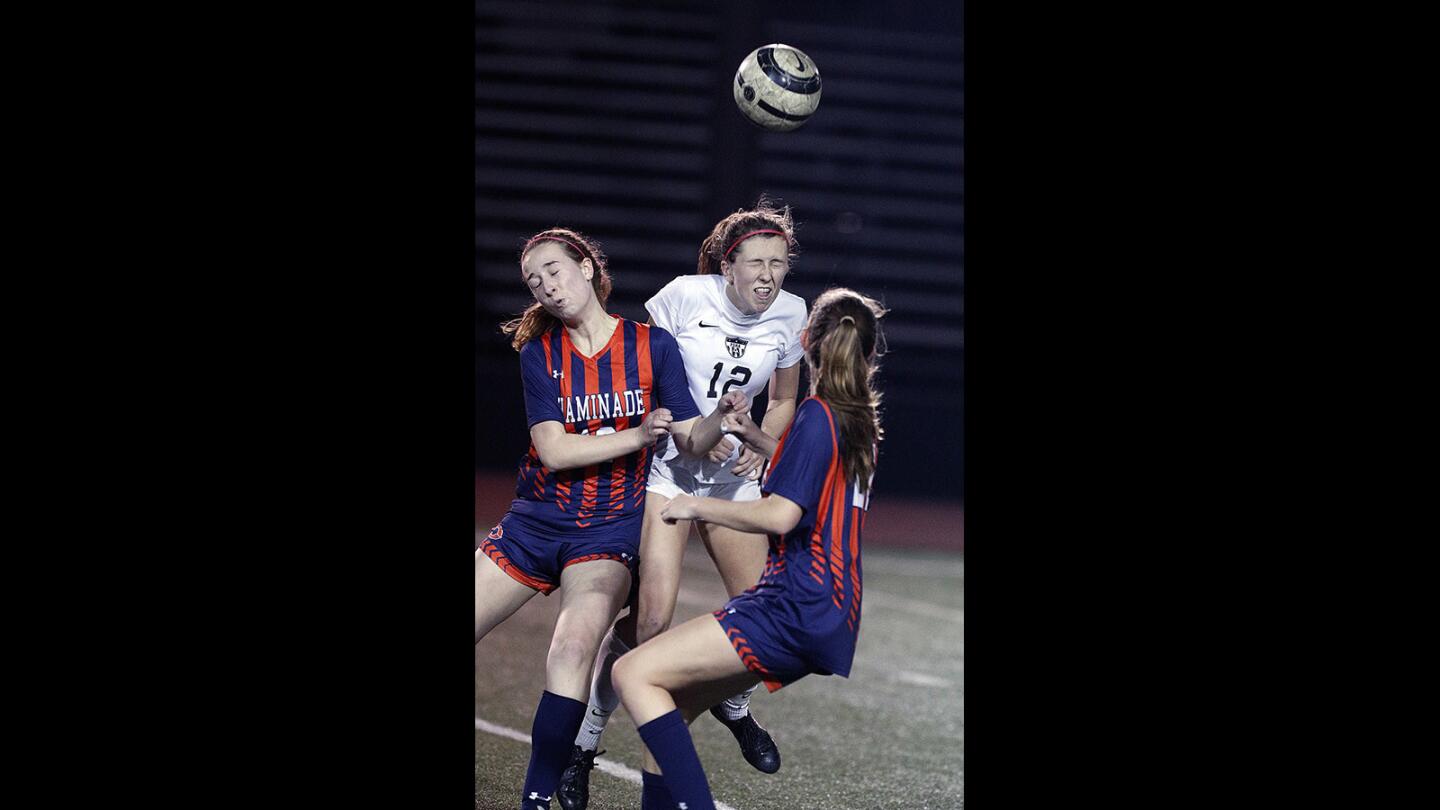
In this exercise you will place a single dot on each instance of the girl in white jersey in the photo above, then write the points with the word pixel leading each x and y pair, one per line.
pixel 737 331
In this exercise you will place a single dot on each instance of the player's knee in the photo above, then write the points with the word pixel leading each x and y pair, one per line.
pixel 624 675
pixel 568 655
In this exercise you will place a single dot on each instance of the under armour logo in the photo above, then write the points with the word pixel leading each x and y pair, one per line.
pixel 557 374
pixel 683 806
pixel 537 797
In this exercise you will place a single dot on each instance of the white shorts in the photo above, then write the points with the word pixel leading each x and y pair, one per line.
pixel 671 481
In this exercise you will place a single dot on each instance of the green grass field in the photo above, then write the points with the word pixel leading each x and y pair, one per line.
pixel 891 735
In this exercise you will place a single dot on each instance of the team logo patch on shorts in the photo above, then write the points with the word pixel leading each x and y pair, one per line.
pixel 497 533
pixel 736 346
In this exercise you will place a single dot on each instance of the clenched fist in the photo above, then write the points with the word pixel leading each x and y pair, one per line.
pixel 722 450
pixel 737 424
pixel 734 402
pixel 655 425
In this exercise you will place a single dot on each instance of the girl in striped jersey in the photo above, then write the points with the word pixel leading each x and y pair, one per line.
pixel 804 615
pixel 599 391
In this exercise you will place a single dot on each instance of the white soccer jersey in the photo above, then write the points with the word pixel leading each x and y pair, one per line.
pixel 724 349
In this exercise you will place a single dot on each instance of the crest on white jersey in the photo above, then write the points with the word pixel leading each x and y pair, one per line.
pixel 736 346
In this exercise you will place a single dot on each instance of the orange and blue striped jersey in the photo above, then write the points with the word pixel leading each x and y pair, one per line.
pixel 815 567
pixel 638 370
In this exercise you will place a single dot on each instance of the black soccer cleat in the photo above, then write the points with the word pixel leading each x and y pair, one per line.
pixel 755 742
pixel 574 790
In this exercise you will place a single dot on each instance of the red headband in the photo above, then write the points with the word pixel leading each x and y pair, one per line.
pixel 754 233
pixel 543 237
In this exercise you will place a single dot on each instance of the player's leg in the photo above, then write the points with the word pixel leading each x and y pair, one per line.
pixel 497 595
pixel 662 552
pixel 662 547
pixel 591 594
pixel 574 790
pixel 692 665
pixel 740 558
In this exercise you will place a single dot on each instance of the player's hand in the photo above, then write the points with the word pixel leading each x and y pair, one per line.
pixel 720 453
pixel 655 425
pixel 737 424
pixel 680 507
pixel 749 464
pixel 734 402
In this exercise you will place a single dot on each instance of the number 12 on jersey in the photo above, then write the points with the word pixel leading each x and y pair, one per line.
pixel 740 375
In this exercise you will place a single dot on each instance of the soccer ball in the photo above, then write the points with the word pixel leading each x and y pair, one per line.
pixel 777 87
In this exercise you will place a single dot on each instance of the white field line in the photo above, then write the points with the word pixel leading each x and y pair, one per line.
pixel 921 679
pixel 615 769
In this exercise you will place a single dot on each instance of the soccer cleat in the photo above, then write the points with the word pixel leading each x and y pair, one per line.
pixel 574 790
pixel 755 742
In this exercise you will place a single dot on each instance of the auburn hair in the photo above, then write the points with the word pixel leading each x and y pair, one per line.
pixel 765 216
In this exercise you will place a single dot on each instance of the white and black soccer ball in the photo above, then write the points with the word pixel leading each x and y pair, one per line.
pixel 777 87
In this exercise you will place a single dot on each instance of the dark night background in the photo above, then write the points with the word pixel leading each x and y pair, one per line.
pixel 620 123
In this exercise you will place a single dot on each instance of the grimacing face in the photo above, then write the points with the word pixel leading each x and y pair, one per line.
pixel 756 271
pixel 559 283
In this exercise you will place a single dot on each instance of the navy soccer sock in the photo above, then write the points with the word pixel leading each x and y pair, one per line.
pixel 556 721
pixel 653 794
pixel 669 742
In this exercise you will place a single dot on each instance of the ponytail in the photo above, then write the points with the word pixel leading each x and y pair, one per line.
pixel 532 323
pixel 843 333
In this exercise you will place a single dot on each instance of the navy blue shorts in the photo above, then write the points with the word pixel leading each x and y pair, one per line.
pixel 536 560
pixel 754 634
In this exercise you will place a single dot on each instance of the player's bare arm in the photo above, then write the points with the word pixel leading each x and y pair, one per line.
pixel 560 450
pixel 697 436
pixel 760 440
pixel 784 386
pixel 772 514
